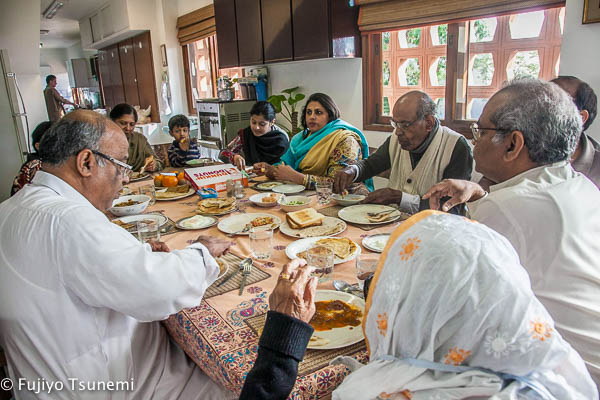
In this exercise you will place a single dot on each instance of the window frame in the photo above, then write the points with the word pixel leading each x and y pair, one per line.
pixel 373 62
pixel 212 46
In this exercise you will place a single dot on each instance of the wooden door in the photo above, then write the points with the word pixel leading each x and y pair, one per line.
pixel 104 78
pixel 311 29
pixel 128 73
pixel 277 30
pixel 249 32
pixel 144 70
pixel 225 24
pixel 118 93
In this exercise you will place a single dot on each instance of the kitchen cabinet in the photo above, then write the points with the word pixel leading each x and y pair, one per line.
pixel 276 16
pixel 144 71
pixel 97 30
pixel 116 79
pixel 249 32
pixel 227 42
pixel 85 30
pixel 106 17
pixel 311 29
pixel 128 72
pixel 120 15
pixel 78 72
pixel 104 77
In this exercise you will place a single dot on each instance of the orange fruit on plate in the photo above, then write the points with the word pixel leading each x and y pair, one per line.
pixel 181 176
pixel 158 180
pixel 169 181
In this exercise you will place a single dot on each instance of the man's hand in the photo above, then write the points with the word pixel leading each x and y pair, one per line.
pixel 286 173
pixel 159 246
pixel 383 196
pixel 151 167
pixel 239 162
pixel 294 294
pixel 216 247
pixel 459 191
pixel 343 179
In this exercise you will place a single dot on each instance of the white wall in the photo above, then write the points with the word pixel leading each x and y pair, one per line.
pixel 20 34
pixel 580 52
pixel 56 59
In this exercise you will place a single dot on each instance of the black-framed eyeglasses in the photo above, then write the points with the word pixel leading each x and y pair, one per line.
pixel 125 169
pixel 402 126
pixel 476 130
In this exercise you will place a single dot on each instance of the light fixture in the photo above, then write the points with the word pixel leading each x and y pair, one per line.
pixel 44 31
pixel 52 9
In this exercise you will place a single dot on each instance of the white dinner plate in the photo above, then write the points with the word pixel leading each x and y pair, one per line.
pixel 376 242
pixel 222 271
pixel 359 214
pixel 256 199
pixel 304 244
pixel 337 337
pixel 137 177
pixel 132 219
pixel 236 223
pixel 191 191
pixel 288 188
pixel 331 226
pixel 196 222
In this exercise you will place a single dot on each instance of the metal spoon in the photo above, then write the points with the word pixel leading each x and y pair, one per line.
pixel 345 287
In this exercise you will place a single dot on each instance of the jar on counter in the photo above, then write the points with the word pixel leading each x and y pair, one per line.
pixel 230 188
pixel 239 190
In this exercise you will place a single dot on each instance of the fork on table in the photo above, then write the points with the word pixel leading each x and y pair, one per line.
pixel 245 272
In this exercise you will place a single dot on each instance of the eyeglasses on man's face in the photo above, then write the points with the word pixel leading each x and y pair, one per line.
pixel 125 169
pixel 476 131
pixel 402 125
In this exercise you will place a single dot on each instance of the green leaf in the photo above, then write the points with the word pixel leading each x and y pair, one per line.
pixel 298 97
pixel 276 101
pixel 290 90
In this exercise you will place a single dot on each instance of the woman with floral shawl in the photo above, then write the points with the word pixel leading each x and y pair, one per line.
pixel 450 315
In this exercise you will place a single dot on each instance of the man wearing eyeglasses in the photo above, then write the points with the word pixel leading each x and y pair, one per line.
pixel 420 153
pixel 83 297
pixel 524 140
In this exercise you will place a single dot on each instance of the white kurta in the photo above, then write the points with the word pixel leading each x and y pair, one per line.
pixel 79 295
pixel 551 215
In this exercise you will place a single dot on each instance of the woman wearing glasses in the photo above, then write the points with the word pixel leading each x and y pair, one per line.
pixel 327 144
pixel 140 153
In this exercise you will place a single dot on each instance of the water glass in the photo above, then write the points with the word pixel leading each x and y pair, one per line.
pixel 261 241
pixel 148 230
pixel 366 264
pixel 324 190
pixel 322 259
pixel 150 191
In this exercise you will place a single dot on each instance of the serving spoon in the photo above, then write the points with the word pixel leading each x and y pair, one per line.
pixel 343 286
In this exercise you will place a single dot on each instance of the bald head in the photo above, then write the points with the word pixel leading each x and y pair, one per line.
pixel 418 101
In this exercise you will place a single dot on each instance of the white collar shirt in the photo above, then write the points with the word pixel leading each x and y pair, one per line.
pixel 551 215
pixel 81 298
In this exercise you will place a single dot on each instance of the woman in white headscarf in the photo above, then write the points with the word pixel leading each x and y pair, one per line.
pixel 451 315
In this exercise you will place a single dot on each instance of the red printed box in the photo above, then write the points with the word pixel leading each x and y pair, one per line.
pixel 214 176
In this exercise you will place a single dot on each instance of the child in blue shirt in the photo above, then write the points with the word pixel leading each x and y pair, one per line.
pixel 182 149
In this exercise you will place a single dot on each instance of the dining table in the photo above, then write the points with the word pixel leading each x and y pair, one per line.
pixel 221 333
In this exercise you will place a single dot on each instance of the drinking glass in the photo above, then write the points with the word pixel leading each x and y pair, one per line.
pixel 366 264
pixel 150 191
pixel 148 230
pixel 261 241
pixel 324 190
pixel 321 258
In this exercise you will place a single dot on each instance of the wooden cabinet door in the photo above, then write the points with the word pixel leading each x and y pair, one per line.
pixel 249 32
pixel 130 86
pixel 311 29
pixel 115 75
pixel 225 25
pixel 85 30
pixel 96 23
pixel 144 70
pixel 277 30
pixel 104 78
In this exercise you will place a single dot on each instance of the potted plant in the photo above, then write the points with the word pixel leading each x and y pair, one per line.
pixel 286 104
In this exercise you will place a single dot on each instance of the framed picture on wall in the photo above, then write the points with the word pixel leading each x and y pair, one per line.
pixel 591 11
pixel 163 54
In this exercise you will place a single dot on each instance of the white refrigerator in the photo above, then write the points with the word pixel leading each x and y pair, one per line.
pixel 12 135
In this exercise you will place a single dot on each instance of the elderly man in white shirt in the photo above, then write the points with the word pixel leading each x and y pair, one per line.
pixel 81 297
pixel 523 140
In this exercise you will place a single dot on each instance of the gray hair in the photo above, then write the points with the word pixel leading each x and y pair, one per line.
pixel 426 107
pixel 546 115
pixel 68 137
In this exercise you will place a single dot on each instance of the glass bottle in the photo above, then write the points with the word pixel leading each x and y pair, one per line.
pixel 239 190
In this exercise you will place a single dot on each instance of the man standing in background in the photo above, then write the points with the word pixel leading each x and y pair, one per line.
pixel 54 101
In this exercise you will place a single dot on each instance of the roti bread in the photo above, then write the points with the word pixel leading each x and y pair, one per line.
pixel 216 205
pixel 342 247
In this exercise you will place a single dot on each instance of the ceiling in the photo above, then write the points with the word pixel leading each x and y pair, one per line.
pixel 64 27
